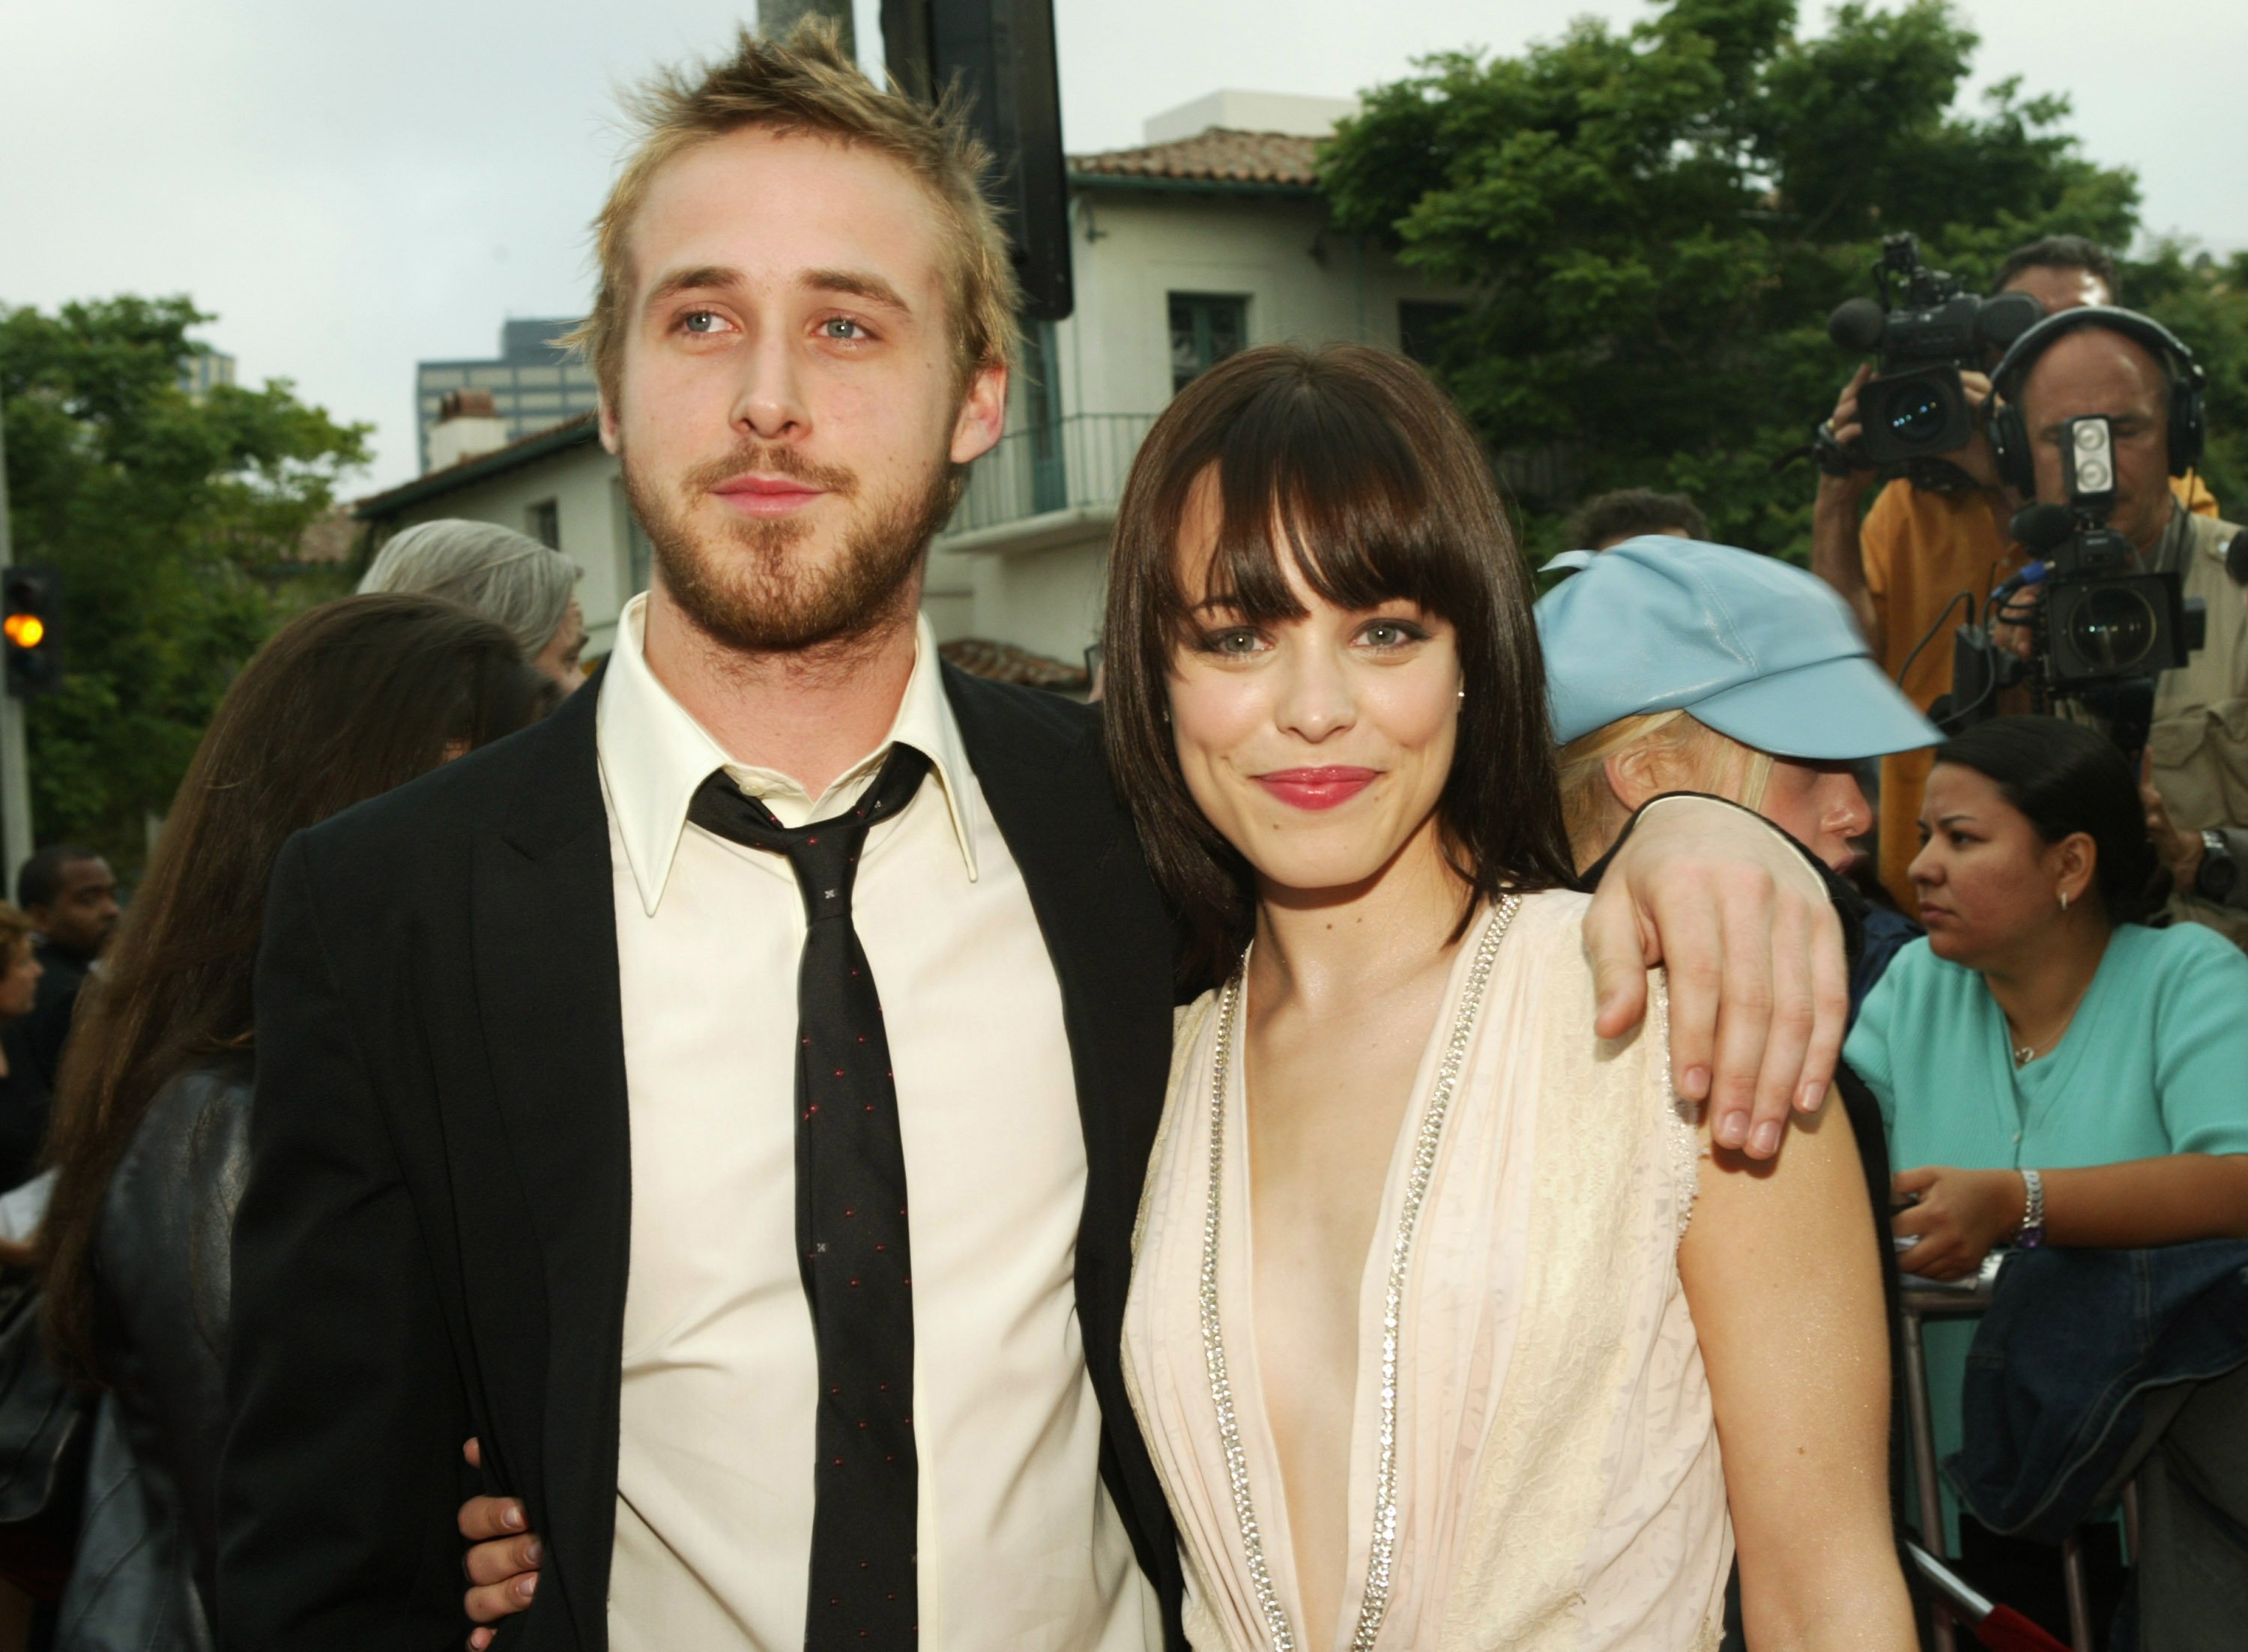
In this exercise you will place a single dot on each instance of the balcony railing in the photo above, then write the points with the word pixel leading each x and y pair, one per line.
pixel 1073 462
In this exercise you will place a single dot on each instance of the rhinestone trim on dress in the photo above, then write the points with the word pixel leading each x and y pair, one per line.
pixel 1382 1554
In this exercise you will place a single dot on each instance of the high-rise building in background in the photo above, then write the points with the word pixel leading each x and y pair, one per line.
pixel 533 384
pixel 202 368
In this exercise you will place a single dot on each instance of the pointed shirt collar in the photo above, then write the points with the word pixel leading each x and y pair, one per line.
pixel 653 755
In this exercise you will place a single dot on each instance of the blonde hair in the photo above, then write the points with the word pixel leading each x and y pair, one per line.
pixel 811 86
pixel 1693 757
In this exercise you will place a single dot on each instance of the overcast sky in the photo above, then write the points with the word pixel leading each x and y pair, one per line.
pixel 351 188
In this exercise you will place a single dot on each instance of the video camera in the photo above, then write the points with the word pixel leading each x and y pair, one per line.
pixel 2103 629
pixel 1923 332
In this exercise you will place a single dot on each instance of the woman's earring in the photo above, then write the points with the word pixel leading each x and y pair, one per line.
pixel 2064 900
pixel 1461 697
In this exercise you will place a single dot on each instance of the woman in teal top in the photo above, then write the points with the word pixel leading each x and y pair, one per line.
pixel 2050 1069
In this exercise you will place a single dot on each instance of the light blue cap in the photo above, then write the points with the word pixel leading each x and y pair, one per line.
pixel 1758 650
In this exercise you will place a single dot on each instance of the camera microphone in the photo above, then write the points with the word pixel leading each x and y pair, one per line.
pixel 1857 325
pixel 2236 557
pixel 2043 527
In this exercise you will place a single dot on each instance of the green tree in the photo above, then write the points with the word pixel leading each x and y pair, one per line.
pixel 172 519
pixel 1659 220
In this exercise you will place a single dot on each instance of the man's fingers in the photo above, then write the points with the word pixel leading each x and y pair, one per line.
pixel 1693 960
pixel 1619 960
pixel 1830 1009
pixel 1918 1179
pixel 1744 1025
pixel 490 1602
pixel 484 1519
pixel 473 1450
pixel 1794 1018
pixel 508 1557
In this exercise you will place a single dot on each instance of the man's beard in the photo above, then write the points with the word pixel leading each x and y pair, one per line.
pixel 750 586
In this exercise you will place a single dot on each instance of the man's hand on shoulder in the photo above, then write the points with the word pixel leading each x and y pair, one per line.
pixel 1759 988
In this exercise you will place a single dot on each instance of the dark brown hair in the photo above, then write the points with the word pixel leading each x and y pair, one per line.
pixel 348 700
pixel 2066 778
pixel 2062 252
pixel 1630 512
pixel 1351 462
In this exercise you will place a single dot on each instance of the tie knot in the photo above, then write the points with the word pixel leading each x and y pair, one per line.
pixel 824 854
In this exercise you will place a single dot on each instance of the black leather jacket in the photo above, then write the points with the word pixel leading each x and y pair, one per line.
pixel 147 1549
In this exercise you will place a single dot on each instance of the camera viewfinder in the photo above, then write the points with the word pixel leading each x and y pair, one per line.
pixel 2088 457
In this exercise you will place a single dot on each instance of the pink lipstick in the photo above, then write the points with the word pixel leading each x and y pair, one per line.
pixel 1324 788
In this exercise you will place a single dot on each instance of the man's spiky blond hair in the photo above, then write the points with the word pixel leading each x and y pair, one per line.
pixel 809 86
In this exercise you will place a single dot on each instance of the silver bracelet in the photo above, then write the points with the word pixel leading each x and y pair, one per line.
pixel 2030 1233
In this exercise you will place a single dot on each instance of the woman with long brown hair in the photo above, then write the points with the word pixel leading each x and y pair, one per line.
pixel 348 701
pixel 1428 1334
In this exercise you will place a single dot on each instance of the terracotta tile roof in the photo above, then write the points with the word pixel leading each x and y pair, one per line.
pixel 1268 160
pixel 1004 663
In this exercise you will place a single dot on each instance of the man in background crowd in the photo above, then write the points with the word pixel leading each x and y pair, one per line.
pixel 1918 550
pixel 1610 518
pixel 2124 367
pixel 70 894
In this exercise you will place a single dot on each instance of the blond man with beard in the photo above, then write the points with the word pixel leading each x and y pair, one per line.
pixel 580 1128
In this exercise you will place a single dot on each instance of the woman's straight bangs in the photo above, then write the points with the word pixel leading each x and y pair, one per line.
pixel 1329 487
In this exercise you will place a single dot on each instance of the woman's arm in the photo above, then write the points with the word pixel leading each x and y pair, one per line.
pixel 2180 1197
pixel 1796 1343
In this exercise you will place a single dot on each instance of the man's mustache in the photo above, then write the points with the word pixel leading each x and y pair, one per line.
pixel 765 458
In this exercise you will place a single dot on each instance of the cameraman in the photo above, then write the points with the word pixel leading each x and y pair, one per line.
pixel 1917 550
pixel 2121 365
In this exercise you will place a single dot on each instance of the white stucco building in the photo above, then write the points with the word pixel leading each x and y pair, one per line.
pixel 1211 237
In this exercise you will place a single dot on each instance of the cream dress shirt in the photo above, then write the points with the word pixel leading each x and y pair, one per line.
pixel 1020 1546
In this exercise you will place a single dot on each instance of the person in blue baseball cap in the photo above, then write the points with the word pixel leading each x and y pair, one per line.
pixel 1674 665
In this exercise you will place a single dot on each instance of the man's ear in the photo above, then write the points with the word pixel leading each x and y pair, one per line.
pixel 607 422
pixel 982 413
pixel 1635 775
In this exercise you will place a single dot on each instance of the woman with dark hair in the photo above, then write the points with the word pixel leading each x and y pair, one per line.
pixel 2050 1069
pixel 349 700
pixel 1426 1332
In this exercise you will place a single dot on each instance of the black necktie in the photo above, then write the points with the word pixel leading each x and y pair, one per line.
pixel 850 1223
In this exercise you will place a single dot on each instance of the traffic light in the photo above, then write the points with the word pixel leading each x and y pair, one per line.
pixel 1002 54
pixel 30 620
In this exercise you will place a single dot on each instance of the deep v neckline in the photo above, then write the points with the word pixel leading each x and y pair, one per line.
pixel 1372 1500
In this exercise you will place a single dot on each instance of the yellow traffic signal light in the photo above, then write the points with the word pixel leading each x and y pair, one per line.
pixel 30 601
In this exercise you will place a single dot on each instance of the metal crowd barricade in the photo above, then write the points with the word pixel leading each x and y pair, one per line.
pixel 1925 1300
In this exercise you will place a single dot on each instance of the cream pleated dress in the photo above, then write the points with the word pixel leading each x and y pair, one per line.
pixel 1534 1462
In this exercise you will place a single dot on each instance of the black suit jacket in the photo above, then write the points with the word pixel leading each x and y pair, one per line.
pixel 433 1239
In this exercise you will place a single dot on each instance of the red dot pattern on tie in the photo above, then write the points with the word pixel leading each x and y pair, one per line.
pixel 857 1260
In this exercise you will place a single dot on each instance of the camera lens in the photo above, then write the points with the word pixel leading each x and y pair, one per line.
pixel 2090 437
pixel 2112 629
pixel 2093 476
pixel 1917 416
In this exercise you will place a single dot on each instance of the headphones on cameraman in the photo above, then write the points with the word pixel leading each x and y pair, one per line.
pixel 2009 435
